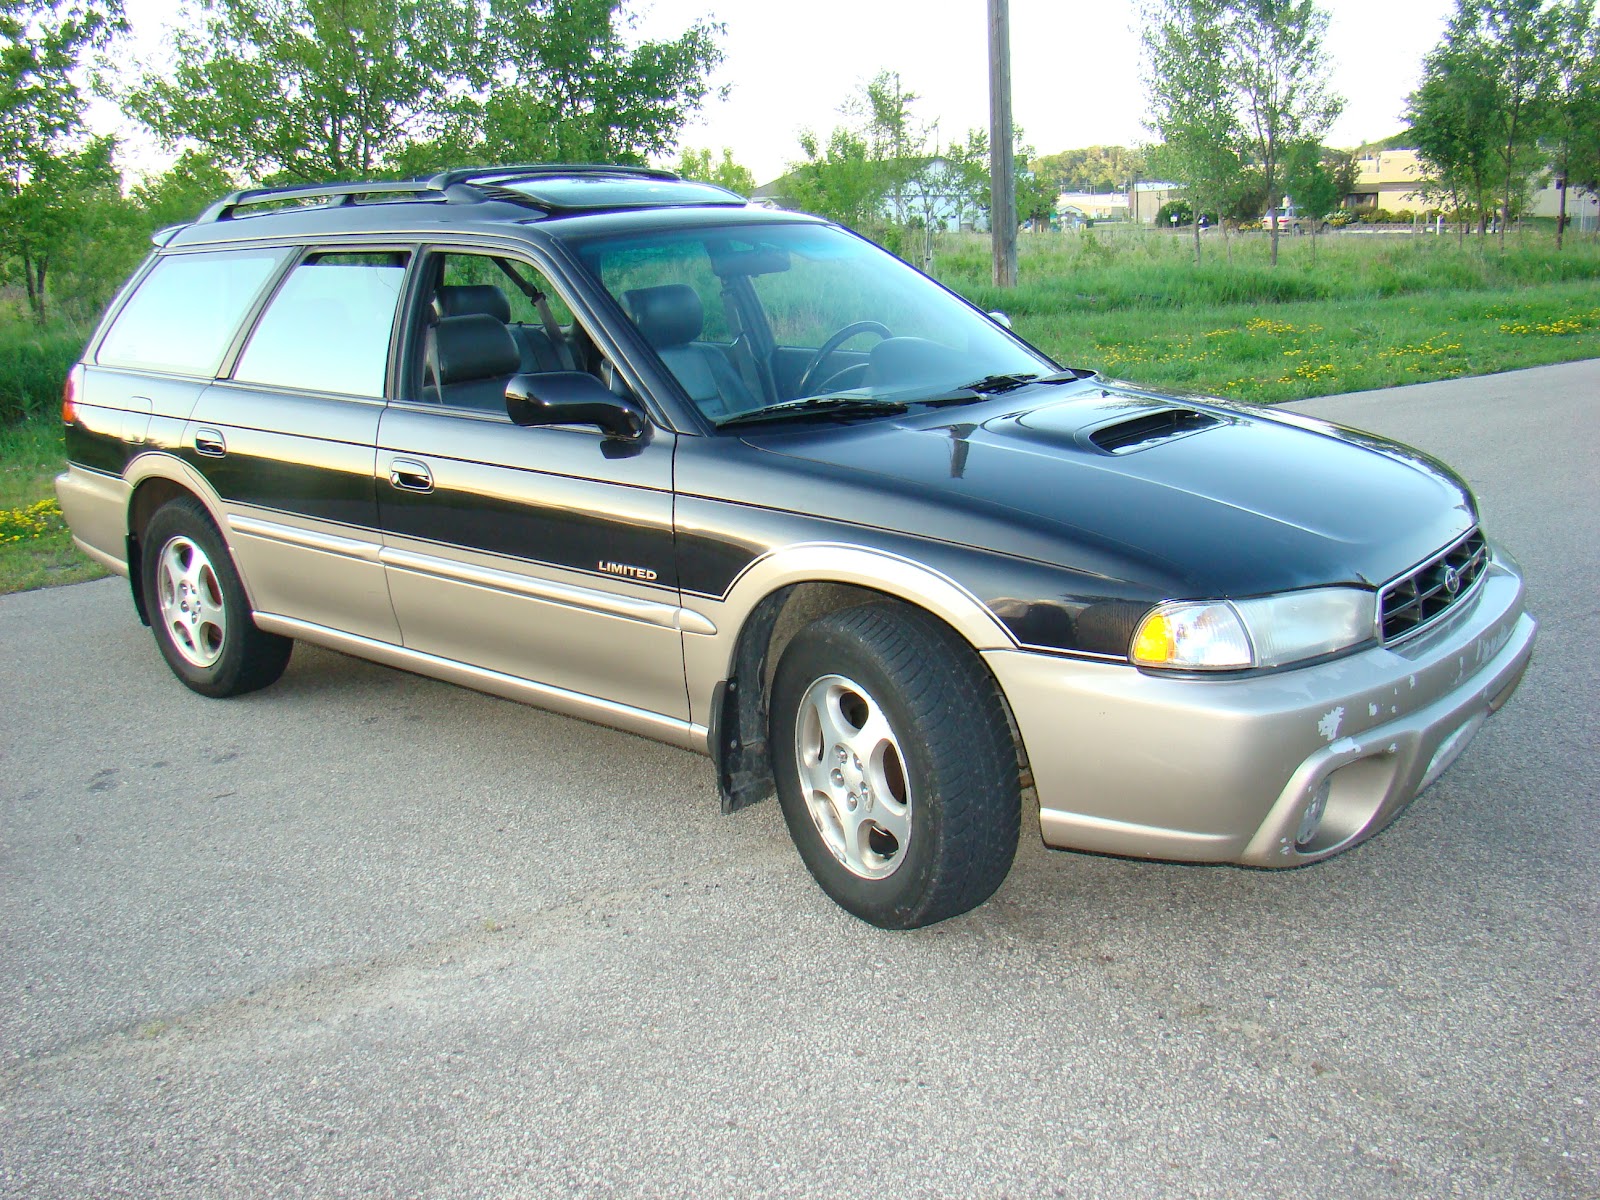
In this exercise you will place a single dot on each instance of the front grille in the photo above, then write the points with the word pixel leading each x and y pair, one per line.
pixel 1424 594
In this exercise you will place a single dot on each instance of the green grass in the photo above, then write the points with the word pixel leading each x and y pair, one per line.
pixel 35 548
pixel 1343 313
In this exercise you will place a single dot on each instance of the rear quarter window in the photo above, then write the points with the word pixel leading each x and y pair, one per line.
pixel 187 311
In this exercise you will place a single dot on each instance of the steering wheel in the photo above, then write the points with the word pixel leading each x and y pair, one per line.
pixel 825 351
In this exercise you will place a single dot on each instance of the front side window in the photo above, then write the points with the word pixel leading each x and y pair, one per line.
pixel 328 328
pixel 751 318
pixel 187 311
pixel 483 319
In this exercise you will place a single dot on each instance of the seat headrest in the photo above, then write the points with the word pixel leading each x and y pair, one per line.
pixel 468 299
pixel 474 347
pixel 670 315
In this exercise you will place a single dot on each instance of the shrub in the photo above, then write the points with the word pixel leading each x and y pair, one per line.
pixel 33 366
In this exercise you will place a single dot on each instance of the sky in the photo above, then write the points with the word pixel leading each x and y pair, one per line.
pixel 1075 65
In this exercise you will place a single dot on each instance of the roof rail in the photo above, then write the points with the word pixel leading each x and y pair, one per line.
pixel 522 170
pixel 454 186
pixel 336 193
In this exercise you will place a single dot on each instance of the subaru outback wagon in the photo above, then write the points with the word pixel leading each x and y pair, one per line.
pixel 616 444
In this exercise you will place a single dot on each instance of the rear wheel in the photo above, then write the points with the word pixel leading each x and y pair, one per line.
pixel 895 766
pixel 198 608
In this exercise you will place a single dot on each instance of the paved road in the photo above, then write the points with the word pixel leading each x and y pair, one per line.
pixel 366 934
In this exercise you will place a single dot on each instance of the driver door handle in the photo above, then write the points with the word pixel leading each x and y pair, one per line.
pixel 410 475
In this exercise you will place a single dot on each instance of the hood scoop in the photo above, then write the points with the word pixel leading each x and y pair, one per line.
pixel 1150 428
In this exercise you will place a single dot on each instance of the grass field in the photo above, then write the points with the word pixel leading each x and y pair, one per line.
pixel 1344 313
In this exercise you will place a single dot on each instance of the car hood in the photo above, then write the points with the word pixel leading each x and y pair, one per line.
pixel 1211 498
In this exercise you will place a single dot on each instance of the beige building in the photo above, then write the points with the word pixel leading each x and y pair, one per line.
pixel 1388 179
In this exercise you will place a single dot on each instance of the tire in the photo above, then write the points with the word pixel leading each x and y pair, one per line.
pixel 894 765
pixel 197 606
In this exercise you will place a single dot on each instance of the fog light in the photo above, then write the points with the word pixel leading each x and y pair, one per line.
pixel 1311 819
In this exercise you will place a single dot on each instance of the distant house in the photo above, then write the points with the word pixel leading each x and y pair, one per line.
pixel 1389 179
pixel 1093 206
pixel 1147 197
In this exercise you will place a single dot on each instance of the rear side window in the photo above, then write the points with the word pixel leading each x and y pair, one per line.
pixel 187 311
pixel 327 329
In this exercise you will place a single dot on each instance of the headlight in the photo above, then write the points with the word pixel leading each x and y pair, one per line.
pixel 1272 631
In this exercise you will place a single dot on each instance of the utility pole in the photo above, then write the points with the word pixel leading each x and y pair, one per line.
pixel 1002 170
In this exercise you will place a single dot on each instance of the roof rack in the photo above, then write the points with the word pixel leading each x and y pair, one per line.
pixel 332 193
pixel 459 186
pixel 523 170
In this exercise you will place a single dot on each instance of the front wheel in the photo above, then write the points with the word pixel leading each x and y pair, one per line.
pixel 895 766
pixel 198 609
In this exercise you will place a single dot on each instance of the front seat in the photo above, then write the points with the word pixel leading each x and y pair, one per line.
pixel 485 299
pixel 671 319
pixel 475 357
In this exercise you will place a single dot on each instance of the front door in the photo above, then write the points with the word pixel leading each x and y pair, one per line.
pixel 545 554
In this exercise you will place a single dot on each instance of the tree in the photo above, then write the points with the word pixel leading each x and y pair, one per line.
pixel 1091 169
pixel 1485 98
pixel 1279 74
pixel 330 89
pixel 311 90
pixel 183 191
pixel 876 171
pixel 42 156
pixel 566 85
pixel 1192 106
pixel 838 179
pixel 63 203
pixel 1452 115
pixel 1574 126
pixel 1036 194
pixel 1309 176
pixel 698 164
pixel 1518 33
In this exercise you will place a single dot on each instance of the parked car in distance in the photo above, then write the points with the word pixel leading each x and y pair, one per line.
pixel 619 445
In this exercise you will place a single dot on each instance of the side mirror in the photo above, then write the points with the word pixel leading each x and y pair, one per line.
pixel 572 398
pixel 999 318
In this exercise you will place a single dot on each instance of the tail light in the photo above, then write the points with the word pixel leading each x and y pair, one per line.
pixel 70 392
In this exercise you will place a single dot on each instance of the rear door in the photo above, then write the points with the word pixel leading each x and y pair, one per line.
pixel 287 440
pixel 545 554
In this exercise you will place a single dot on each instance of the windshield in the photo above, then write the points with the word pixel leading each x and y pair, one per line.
pixel 751 318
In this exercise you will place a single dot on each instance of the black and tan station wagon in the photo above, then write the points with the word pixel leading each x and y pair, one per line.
pixel 619 445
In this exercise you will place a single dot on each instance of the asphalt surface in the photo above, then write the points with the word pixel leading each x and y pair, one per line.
pixel 367 934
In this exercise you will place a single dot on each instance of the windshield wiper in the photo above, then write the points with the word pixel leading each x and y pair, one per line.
pixel 994 385
pixel 833 406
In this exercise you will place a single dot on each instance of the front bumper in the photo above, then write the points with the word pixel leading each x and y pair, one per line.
pixel 1224 770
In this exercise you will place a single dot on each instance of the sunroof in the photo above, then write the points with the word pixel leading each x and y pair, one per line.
pixel 616 191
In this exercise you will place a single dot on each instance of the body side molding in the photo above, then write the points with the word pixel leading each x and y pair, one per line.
pixel 668 616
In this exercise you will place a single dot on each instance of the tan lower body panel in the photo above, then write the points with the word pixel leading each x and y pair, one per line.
pixel 96 508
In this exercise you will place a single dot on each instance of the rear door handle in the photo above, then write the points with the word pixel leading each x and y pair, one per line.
pixel 410 476
pixel 210 443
